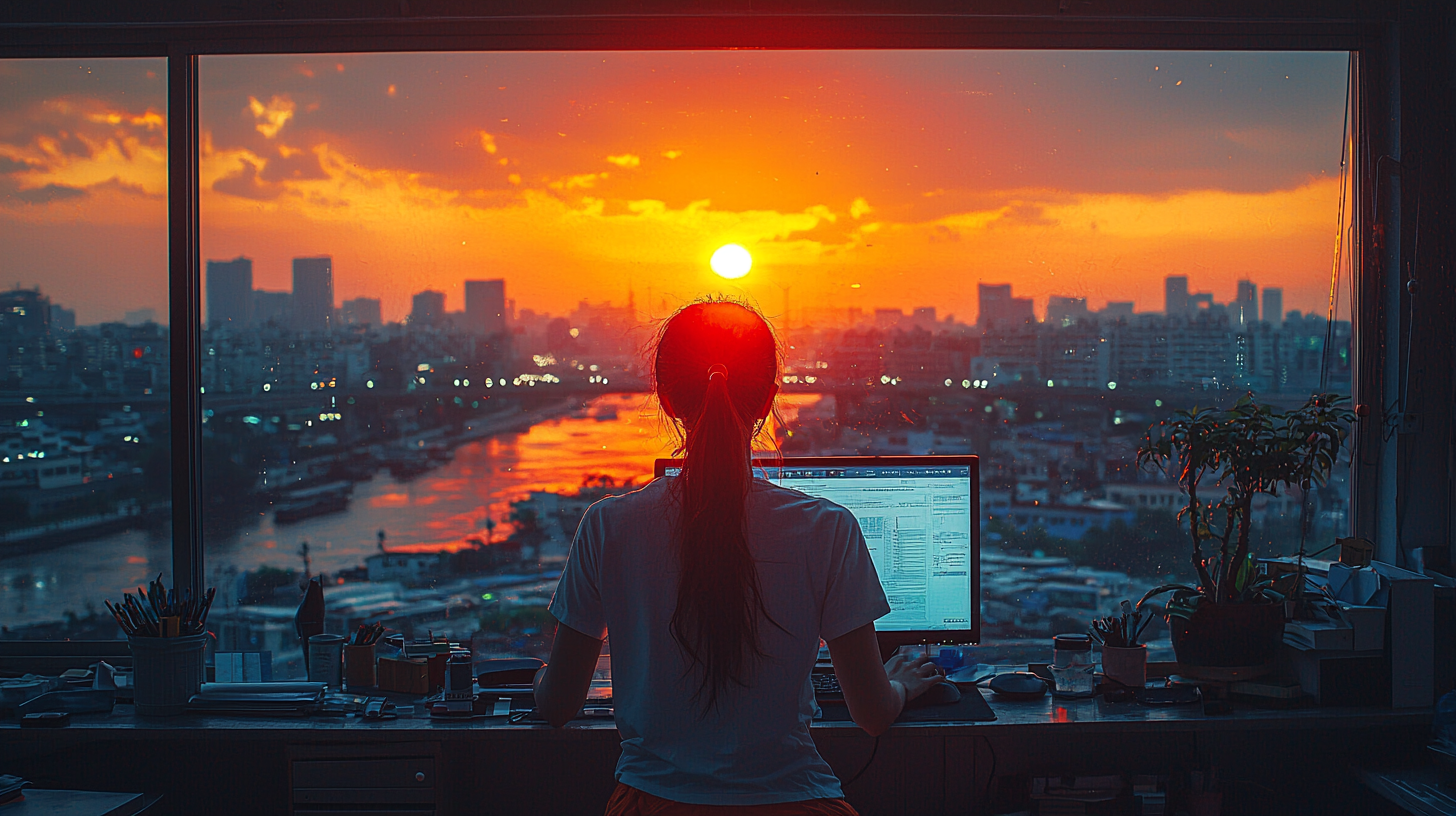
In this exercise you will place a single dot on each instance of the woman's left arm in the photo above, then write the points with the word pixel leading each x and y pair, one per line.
pixel 562 684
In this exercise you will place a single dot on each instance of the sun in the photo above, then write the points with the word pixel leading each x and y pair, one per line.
pixel 731 261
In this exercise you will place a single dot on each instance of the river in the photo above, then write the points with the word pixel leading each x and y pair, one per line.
pixel 618 435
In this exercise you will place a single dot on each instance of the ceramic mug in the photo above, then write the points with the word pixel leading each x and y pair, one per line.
pixel 1127 665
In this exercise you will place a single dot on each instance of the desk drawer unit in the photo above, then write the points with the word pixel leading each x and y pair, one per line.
pixel 364 785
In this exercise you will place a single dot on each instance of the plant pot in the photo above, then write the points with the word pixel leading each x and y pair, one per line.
pixel 1127 665
pixel 1228 635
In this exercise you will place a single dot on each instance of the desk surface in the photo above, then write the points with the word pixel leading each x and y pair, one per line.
pixel 919 769
pixel 1023 718
pixel 74 803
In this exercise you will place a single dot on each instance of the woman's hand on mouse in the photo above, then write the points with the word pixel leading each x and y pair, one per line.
pixel 916 674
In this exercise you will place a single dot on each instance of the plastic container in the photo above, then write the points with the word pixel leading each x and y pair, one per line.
pixel 359 666
pixel 168 671
pixel 1072 666
pixel 326 660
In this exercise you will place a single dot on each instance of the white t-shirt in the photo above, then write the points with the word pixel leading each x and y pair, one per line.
pixel 754 748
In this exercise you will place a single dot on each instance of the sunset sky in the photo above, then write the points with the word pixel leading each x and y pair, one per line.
pixel 915 175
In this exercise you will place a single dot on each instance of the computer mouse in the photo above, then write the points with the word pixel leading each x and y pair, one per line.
pixel 1018 686
pixel 938 694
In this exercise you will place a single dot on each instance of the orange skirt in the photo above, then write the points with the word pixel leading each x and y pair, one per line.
pixel 628 801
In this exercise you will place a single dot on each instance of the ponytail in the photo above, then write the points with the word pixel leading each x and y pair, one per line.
pixel 719 602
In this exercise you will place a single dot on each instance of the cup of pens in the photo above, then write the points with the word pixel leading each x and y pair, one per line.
pixel 359 657
pixel 167 632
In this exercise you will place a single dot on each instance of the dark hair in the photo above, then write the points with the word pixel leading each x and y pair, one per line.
pixel 716 372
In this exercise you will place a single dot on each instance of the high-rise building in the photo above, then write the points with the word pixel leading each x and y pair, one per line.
pixel 888 318
pixel 272 307
pixel 1064 311
pixel 138 317
pixel 485 306
pixel 62 319
pixel 25 314
pixel 230 293
pixel 1175 295
pixel 313 293
pixel 427 308
pixel 996 306
pixel 25 324
pixel 1245 308
pixel 363 312
pixel 1273 305
pixel 1117 310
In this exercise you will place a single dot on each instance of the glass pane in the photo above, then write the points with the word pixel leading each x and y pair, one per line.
pixel 84 456
pixel 430 278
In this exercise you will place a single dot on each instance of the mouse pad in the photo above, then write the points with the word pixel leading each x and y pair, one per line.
pixel 971 708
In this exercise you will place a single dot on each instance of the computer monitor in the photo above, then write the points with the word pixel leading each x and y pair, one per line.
pixel 921 519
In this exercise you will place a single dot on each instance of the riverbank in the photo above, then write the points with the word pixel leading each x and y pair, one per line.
pixel 496 460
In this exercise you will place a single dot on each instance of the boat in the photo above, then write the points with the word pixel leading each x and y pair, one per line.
pixel 316 501
pixel 408 464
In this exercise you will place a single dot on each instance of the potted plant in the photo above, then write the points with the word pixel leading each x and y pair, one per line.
pixel 1233 618
pixel 1124 656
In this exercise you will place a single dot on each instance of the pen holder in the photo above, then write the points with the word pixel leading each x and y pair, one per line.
pixel 167 672
pixel 326 660
pixel 1126 665
pixel 359 666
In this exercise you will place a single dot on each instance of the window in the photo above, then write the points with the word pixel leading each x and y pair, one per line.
pixel 84 436
pixel 429 278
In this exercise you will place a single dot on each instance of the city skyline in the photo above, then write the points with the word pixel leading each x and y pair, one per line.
pixel 230 302
pixel 852 177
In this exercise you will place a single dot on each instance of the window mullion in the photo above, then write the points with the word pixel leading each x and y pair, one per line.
pixel 185 316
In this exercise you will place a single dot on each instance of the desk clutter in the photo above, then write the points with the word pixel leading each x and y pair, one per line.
pixel 1336 645
pixel 166 630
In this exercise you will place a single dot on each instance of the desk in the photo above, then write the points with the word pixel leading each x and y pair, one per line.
pixel 1421 791
pixel 244 765
pixel 75 803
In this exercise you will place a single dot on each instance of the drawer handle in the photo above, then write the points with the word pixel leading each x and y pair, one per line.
pixel 419 776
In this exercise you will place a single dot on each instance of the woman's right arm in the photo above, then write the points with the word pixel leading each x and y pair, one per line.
pixel 876 693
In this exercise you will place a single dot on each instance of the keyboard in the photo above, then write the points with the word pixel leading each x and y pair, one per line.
pixel 826 685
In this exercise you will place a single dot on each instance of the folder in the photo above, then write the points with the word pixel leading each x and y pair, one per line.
pixel 1410 636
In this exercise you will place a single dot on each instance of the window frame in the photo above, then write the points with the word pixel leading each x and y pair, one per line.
pixel 1371 32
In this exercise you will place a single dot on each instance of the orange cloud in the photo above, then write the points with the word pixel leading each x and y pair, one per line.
pixel 273 116
pixel 575 236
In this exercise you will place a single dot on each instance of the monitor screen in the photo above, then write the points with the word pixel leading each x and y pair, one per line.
pixel 919 519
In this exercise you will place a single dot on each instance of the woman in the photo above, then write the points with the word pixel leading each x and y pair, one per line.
pixel 716 588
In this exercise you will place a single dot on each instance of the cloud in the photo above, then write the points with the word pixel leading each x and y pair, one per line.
pixel 295 165
pixel 626 160
pixel 115 184
pixel 245 183
pixel 580 181
pixel 859 208
pixel 487 142
pixel 48 193
pixel 9 165
pixel 671 154
pixel 273 116
pixel 149 120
